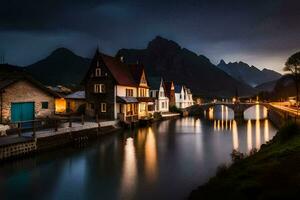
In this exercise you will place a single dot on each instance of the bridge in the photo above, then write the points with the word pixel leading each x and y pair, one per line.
pixel 238 108
pixel 277 113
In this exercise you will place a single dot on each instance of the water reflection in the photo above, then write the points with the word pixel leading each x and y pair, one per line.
pixel 150 156
pixel 235 139
pixel 223 121
pixel 164 161
pixel 249 135
pixel 129 175
pixel 211 113
pixel 257 126
pixel 267 131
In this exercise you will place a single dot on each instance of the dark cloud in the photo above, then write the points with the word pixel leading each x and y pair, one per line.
pixel 232 29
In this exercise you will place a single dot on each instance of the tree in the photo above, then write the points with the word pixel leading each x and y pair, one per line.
pixel 293 66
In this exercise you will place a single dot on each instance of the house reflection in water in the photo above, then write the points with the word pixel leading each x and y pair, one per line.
pixel 150 156
pixel 129 173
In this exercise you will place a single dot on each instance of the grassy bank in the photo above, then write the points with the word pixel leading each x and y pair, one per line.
pixel 271 173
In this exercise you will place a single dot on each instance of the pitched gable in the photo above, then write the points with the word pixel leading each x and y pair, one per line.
pixel 139 74
pixel 119 71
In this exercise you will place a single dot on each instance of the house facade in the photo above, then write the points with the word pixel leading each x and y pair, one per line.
pixel 24 99
pixel 114 90
pixel 158 92
pixel 170 92
pixel 183 97
pixel 143 90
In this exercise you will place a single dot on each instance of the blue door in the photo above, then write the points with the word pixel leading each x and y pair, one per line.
pixel 22 111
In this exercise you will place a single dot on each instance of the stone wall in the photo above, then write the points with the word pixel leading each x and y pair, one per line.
pixel 24 91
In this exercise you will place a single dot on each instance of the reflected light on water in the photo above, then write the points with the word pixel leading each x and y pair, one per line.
pixel 215 125
pixel 257 127
pixel 129 175
pixel 249 135
pixel 235 139
pixel 266 131
pixel 211 113
pixel 150 155
pixel 265 112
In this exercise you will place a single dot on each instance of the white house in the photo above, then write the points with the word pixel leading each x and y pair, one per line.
pixel 158 92
pixel 183 96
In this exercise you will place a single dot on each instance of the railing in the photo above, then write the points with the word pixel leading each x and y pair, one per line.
pixel 132 118
pixel 46 124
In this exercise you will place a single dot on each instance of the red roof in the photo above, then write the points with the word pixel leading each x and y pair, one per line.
pixel 167 86
pixel 127 75
pixel 119 70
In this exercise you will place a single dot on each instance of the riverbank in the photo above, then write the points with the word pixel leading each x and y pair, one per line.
pixel 271 173
pixel 14 146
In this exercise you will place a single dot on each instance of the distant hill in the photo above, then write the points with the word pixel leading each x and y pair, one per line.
pixel 267 87
pixel 284 87
pixel 248 74
pixel 11 71
pixel 62 66
pixel 166 58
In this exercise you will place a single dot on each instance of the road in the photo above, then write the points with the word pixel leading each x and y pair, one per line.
pixel 285 107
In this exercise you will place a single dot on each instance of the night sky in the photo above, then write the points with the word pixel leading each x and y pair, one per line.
pixel 260 32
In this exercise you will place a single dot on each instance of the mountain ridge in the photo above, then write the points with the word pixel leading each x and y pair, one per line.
pixel 163 57
pixel 248 74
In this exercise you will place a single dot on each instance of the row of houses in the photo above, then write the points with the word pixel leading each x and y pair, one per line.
pixel 112 90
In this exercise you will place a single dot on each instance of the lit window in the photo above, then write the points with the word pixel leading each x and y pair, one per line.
pixel 103 107
pixel 98 72
pixel 129 92
pixel 99 88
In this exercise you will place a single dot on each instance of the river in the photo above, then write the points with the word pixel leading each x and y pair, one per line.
pixel 165 161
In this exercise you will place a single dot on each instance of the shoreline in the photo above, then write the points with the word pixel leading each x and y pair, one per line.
pixel 21 147
pixel 271 172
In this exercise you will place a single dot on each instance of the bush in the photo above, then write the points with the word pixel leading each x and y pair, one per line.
pixel 221 170
pixel 253 151
pixel 175 109
pixel 287 131
pixel 157 115
pixel 236 156
pixel 81 109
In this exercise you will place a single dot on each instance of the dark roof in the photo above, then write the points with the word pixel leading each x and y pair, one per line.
pixel 10 79
pixel 145 99
pixel 154 83
pixel 119 70
pixel 167 86
pixel 126 99
pixel 76 95
pixel 178 88
pixel 137 71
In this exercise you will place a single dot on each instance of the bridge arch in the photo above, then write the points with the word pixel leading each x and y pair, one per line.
pixel 258 110
pixel 227 112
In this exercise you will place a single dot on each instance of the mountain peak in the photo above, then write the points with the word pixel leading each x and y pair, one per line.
pixel 163 44
pixel 62 51
pixel 222 62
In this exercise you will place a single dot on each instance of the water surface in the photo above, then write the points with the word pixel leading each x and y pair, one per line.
pixel 164 161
